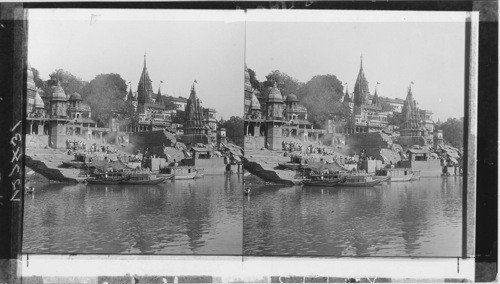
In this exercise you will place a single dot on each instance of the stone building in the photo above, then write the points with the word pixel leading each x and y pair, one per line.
pixel 366 111
pixel 150 107
pixel 196 128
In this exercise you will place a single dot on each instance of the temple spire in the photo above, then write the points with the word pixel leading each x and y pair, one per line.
pixel 145 87
pixel 346 96
pixel 194 114
pixel 130 96
pixel 410 111
pixel 375 100
pixel 361 90
pixel 159 99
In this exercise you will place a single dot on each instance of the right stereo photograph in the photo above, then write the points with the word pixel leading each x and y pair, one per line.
pixel 354 135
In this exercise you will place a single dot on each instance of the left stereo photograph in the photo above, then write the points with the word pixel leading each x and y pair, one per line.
pixel 134 132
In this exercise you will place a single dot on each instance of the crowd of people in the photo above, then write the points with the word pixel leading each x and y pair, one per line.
pixel 80 146
pixel 315 153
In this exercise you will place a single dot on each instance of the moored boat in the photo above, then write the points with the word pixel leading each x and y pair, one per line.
pixel 180 172
pixel 394 174
pixel 165 176
pixel 322 180
pixel 142 179
pixel 360 181
pixel 106 178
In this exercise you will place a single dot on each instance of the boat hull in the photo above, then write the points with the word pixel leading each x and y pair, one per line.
pixel 403 178
pixel 165 176
pixel 320 183
pixel 143 182
pixel 103 181
pixel 185 176
pixel 362 184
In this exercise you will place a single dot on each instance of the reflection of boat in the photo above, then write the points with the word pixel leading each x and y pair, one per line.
pixel 142 178
pixel 394 174
pixel 322 180
pixel 106 178
pixel 360 181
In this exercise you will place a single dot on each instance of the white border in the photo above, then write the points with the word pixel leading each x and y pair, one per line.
pixel 237 267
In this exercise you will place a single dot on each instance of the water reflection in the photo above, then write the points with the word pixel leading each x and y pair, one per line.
pixel 421 218
pixel 178 217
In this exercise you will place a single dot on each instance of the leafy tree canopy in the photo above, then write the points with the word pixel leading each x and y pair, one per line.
pixel 286 84
pixel 106 96
pixel 453 131
pixel 234 129
pixel 253 80
pixel 69 82
pixel 39 83
pixel 322 96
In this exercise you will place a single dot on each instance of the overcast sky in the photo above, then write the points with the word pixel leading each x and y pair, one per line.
pixel 209 46
pixel 181 47
pixel 429 53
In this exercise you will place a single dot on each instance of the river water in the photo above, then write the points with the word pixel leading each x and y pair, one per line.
pixel 203 216
pixel 419 218
pixel 211 216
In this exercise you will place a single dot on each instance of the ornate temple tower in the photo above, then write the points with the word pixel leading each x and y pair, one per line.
pixel 411 120
pixel 274 119
pixel 159 99
pixel 58 117
pixel 347 99
pixel 194 115
pixel 376 100
pixel 144 88
pixel 361 90
pixel 131 98
pixel 255 108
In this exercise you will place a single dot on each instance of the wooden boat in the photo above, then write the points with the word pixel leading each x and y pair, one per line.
pixel 106 178
pixel 165 176
pixel 394 174
pixel 185 176
pixel 359 181
pixel 180 172
pixel 322 180
pixel 142 179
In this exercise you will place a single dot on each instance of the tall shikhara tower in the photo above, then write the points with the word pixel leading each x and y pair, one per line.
pixel 361 91
pixel 411 118
pixel 145 88
pixel 194 115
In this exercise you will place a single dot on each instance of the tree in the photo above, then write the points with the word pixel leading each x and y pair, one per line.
pixel 453 131
pixel 69 82
pixel 39 83
pixel 286 84
pixel 169 105
pixel 234 130
pixel 106 96
pixel 253 80
pixel 322 96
